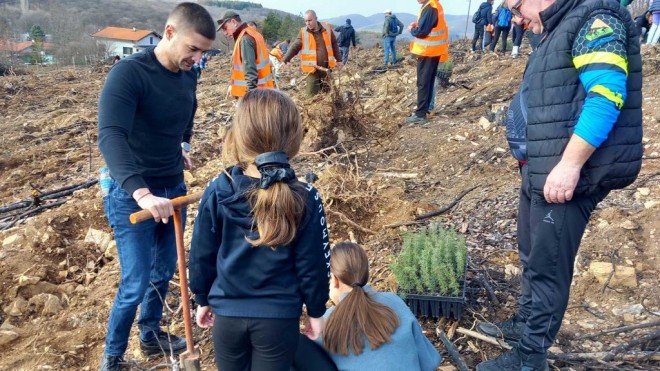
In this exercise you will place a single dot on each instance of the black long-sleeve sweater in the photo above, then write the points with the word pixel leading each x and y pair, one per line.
pixel 145 112
pixel 239 280
pixel 427 20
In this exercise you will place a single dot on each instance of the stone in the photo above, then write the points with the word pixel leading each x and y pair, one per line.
pixel 7 326
pixel 111 251
pixel 623 277
pixel 629 225
pixel 49 303
pixel 447 368
pixel 651 204
pixel 644 191
pixel 586 324
pixel 97 237
pixel 511 271
pixel 27 280
pixel 17 307
pixel 89 278
pixel 629 318
pixel 188 177
pixel 12 240
pixel 7 336
pixel 634 309
pixel 555 349
pixel 485 123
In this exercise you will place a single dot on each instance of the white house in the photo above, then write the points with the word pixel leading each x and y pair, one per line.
pixel 125 41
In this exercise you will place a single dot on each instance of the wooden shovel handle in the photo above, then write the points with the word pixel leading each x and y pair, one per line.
pixel 178 203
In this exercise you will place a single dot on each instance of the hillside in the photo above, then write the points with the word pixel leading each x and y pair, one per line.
pixel 58 262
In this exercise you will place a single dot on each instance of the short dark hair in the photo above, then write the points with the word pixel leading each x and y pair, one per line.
pixel 194 16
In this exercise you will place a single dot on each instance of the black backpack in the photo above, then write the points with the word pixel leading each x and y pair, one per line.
pixel 476 18
pixel 394 26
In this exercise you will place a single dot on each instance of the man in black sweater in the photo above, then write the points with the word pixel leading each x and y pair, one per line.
pixel 146 112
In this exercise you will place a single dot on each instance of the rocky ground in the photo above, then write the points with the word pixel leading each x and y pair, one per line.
pixel 58 267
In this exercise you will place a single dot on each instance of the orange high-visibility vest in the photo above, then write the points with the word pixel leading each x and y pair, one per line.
pixel 436 43
pixel 308 52
pixel 264 74
pixel 277 53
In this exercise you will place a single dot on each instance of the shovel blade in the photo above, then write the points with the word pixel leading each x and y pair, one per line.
pixel 190 361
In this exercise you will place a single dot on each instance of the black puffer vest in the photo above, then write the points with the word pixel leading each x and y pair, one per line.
pixel 556 96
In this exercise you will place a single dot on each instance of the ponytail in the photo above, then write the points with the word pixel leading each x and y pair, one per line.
pixel 277 212
pixel 267 123
pixel 358 316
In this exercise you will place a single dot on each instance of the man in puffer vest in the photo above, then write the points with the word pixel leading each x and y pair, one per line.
pixel 575 126
pixel 250 66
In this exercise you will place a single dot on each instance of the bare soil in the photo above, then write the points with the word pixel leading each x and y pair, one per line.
pixel 372 172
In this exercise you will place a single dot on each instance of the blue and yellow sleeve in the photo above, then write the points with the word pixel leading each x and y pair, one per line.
pixel 599 54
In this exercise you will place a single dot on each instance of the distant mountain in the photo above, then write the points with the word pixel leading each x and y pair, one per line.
pixel 374 23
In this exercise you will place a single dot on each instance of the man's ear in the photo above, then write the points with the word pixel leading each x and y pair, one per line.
pixel 169 32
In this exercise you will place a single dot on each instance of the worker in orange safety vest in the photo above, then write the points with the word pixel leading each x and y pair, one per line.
pixel 430 46
pixel 319 52
pixel 250 66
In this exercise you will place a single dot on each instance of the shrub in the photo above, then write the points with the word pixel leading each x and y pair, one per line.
pixel 431 262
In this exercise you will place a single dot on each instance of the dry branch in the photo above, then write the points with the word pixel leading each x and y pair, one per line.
pixel 597 356
pixel 443 210
pixel 486 338
pixel 350 222
pixel 453 351
pixel 612 353
pixel 619 329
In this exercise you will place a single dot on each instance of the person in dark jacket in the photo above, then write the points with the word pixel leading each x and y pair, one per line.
pixel 430 46
pixel 346 37
pixel 643 24
pixel 575 126
pixel 260 247
pixel 389 36
pixel 146 150
pixel 654 32
pixel 483 20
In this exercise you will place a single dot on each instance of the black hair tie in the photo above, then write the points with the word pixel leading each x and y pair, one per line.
pixel 274 167
pixel 358 285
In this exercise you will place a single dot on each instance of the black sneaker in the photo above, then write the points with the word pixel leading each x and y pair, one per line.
pixel 111 363
pixel 517 359
pixel 510 329
pixel 163 344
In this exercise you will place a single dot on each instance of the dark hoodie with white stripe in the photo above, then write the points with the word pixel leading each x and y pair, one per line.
pixel 239 280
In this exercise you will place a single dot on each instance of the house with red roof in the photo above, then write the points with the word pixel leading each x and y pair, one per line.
pixel 26 50
pixel 125 41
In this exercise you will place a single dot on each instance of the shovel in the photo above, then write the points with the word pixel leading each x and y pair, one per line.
pixel 188 360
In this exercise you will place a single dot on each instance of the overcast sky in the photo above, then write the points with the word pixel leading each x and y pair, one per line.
pixel 334 8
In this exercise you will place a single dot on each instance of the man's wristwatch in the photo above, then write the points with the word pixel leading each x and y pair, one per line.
pixel 185 146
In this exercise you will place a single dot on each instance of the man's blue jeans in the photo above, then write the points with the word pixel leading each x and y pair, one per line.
pixel 147 258
pixel 389 48
pixel 344 53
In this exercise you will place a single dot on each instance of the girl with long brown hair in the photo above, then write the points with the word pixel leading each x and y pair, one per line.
pixel 366 329
pixel 260 245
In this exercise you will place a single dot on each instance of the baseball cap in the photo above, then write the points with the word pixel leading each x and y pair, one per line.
pixel 228 15
pixel 387 11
